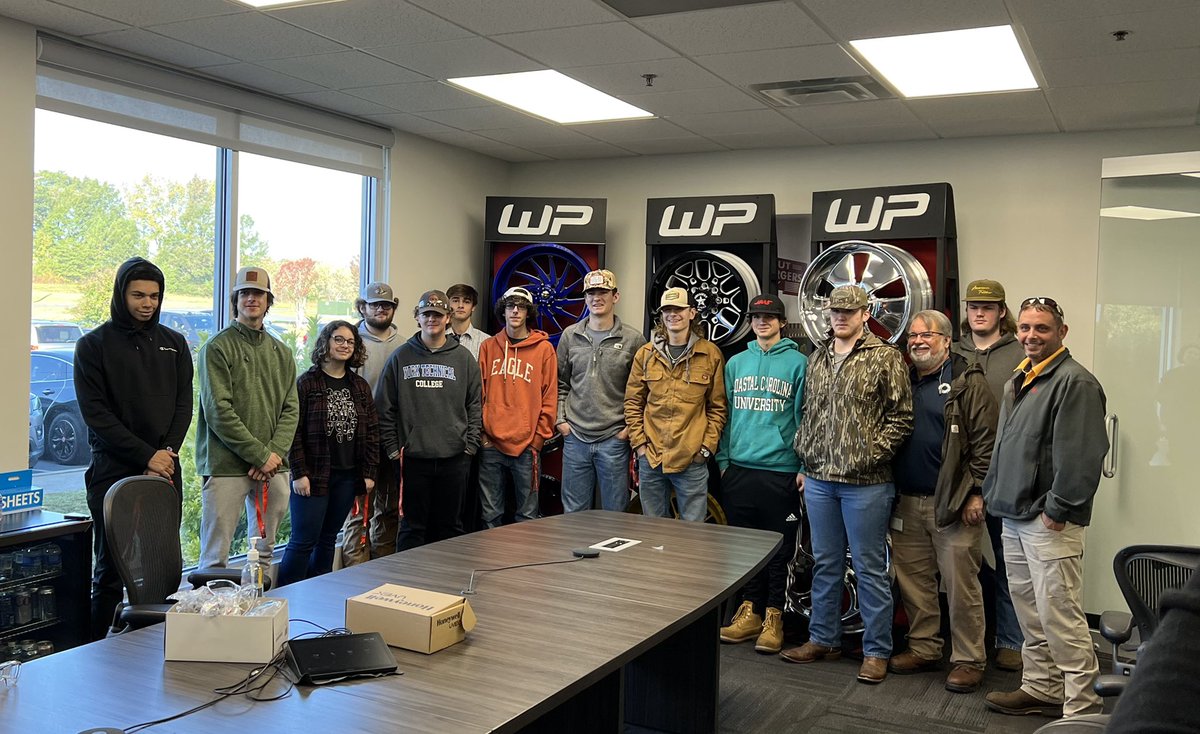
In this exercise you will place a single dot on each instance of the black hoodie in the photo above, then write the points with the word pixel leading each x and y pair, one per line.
pixel 134 384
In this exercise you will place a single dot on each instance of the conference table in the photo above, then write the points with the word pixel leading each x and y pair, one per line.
pixel 585 646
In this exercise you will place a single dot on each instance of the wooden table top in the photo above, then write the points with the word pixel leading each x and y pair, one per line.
pixel 544 634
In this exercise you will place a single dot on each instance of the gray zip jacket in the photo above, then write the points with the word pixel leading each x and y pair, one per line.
pixel 1049 447
pixel 998 361
pixel 592 377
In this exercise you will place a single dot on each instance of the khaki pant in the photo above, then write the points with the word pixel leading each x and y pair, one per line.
pixel 919 553
pixel 361 543
pixel 1045 576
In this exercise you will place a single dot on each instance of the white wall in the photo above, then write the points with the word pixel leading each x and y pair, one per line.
pixel 436 219
pixel 1027 207
pixel 17 51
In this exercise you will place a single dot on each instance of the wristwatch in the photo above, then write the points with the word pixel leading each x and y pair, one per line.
pixel 705 453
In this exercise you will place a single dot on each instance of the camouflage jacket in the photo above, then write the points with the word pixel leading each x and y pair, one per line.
pixel 856 419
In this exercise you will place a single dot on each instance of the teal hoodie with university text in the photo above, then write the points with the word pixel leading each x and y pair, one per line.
pixel 766 400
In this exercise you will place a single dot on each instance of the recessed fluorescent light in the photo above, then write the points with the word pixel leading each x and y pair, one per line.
pixel 282 3
pixel 550 95
pixel 1193 175
pixel 952 62
pixel 1144 213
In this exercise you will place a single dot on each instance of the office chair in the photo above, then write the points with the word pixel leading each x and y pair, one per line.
pixel 1143 573
pixel 141 525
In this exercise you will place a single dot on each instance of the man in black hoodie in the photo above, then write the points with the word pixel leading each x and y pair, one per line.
pixel 133 377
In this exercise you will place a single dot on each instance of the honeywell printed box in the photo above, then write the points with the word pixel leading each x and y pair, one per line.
pixel 226 638
pixel 414 619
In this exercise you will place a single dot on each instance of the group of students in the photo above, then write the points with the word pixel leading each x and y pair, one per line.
pixel 1002 429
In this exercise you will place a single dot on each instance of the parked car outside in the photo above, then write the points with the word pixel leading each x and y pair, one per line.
pixel 37 430
pixel 51 380
pixel 53 335
pixel 196 326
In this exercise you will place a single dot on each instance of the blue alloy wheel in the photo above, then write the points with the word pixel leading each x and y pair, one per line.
pixel 554 275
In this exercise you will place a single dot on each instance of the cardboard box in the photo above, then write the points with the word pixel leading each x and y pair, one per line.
pixel 226 639
pixel 415 619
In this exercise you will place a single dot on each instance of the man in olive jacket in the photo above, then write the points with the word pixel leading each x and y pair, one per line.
pixel 938 526
pixel 857 412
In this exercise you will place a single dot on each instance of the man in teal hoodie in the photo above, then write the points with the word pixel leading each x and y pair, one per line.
pixel 760 482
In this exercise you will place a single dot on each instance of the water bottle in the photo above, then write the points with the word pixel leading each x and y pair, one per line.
pixel 252 572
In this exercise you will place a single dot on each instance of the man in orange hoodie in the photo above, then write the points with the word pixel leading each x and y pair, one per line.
pixel 520 402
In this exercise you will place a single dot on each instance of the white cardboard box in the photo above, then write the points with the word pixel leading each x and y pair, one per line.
pixel 414 619
pixel 226 639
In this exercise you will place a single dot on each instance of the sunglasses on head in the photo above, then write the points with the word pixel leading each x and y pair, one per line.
pixel 1042 301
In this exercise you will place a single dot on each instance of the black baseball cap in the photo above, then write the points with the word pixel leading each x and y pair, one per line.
pixel 767 303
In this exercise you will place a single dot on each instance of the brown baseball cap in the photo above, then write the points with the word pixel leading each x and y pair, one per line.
pixel 433 301
pixel 984 291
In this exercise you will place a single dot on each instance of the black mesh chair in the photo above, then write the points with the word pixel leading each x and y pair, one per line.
pixel 141 525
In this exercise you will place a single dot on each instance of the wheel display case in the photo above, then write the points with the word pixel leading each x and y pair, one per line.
pixel 45 582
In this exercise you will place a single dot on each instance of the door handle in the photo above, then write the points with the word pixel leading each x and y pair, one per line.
pixel 47 392
pixel 1112 426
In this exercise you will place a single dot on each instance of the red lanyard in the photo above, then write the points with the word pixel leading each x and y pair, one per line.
pixel 260 510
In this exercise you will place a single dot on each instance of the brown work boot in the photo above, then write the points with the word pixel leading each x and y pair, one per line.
pixel 771 638
pixel 745 625
pixel 1009 660
pixel 872 670
pixel 964 679
pixel 810 652
pixel 909 662
pixel 1020 703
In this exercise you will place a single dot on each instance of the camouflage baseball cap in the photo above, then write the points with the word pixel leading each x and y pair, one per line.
pixel 984 291
pixel 598 279
pixel 847 297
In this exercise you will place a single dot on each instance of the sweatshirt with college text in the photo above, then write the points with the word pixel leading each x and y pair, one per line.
pixel 766 400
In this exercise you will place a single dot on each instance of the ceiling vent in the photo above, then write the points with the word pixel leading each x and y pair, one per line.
pixel 821 91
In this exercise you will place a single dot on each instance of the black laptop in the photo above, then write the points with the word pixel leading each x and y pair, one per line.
pixel 330 658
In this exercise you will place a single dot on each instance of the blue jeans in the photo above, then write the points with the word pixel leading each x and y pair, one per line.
pixel 585 464
pixel 690 485
pixel 837 513
pixel 1008 629
pixel 315 525
pixel 493 466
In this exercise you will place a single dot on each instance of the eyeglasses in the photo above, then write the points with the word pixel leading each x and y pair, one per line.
pixel 341 340
pixel 1042 301
pixel 384 306
pixel 923 335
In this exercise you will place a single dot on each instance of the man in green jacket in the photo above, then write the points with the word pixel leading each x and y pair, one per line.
pixel 247 420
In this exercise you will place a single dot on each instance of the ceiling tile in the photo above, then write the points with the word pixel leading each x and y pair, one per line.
pixel 344 70
pixel 1154 31
pixel 669 146
pixel 459 57
pixel 256 77
pixel 741 28
pixel 605 43
pixel 722 123
pixel 479 144
pixel 418 96
pixel 719 99
pixel 980 128
pixel 248 36
pixel 877 134
pixel 1010 106
pixel 624 131
pixel 583 150
pixel 879 18
pixel 1174 63
pixel 785 64
pixel 54 17
pixel 152 12
pixel 536 136
pixel 488 17
pixel 782 139
pixel 340 102
pixel 161 48
pixel 409 123
pixel 876 112
pixel 367 23
pixel 1119 106
pixel 1026 11
pixel 482 118
pixel 673 75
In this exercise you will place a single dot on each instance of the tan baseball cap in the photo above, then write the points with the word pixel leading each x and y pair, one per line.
pixel 676 298
pixel 600 279
pixel 984 291
pixel 252 277
pixel 847 297
pixel 379 293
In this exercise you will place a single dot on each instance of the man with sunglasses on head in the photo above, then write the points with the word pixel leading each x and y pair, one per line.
pixel 360 542
pixel 1045 471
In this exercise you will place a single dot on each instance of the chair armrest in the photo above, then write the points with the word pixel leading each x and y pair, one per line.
pixel 202 576
pixel 136 616
pixel 1116 627
pixel 1107 686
